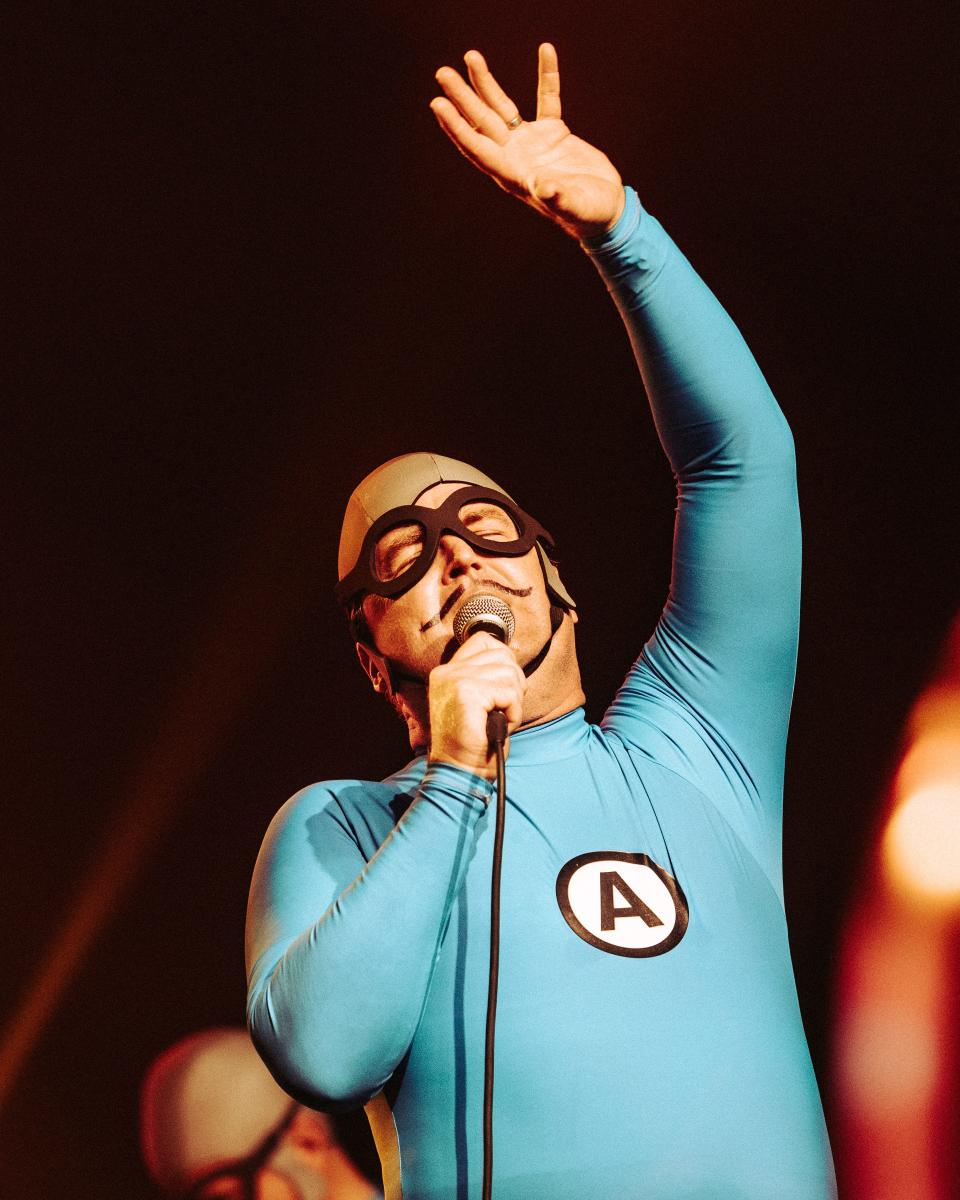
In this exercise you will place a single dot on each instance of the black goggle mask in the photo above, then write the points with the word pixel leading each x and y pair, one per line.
pixel 486 519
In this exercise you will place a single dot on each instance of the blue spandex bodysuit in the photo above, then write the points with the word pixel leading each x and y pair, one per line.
pixel 649 1041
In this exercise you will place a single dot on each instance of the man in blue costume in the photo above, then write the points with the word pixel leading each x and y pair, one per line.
pixel 649 1041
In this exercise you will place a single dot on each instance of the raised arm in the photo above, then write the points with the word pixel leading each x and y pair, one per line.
pixel 710 695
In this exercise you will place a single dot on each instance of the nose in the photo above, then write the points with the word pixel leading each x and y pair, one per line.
pixel 459 557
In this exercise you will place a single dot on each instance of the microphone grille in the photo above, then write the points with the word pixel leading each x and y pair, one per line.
pixel 487 613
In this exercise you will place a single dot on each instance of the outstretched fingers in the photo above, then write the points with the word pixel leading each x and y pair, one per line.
pixel 472 144
pixel 471 105
pixel 548 84
pixel 488 89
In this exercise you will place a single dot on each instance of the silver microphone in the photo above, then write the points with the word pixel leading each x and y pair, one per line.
pixel 484 613
pixel 487 614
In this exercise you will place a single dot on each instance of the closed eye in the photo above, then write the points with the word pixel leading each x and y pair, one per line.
pixel 489 521
pixel 396 550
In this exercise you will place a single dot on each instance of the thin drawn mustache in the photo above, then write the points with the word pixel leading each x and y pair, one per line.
pixel 461 591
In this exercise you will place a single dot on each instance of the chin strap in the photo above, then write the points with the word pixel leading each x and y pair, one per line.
pixel 556 620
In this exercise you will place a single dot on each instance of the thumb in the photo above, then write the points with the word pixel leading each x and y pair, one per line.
pixel 548 191
pixel 566 201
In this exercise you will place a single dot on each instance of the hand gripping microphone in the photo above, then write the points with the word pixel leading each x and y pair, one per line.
pixel 487 614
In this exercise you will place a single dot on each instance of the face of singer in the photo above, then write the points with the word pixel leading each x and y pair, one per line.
pixel 410 629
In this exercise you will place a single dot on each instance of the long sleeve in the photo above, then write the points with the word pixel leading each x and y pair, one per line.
pixel 340 950
pixel 710 694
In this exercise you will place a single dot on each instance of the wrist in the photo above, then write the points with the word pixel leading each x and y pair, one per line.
pixel 622 229
pixel 483 768
pixel 621 205
pixel 595 231
pixel 445 782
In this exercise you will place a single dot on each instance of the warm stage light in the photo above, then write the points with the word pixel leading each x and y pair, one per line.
pixel 921 844
pixel 889 1064
pixel 896 1045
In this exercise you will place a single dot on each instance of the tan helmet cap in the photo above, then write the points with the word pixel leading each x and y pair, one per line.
pixel 206 1100
pixel 403 480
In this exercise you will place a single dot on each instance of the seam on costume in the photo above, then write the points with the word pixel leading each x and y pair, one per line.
pixel 714 805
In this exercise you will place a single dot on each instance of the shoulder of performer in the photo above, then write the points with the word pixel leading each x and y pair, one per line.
pixel 363 809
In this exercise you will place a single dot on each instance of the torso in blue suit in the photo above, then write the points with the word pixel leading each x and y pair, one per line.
pixel 649 1042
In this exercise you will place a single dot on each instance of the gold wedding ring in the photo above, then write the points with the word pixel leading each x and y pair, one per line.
pixel 515 123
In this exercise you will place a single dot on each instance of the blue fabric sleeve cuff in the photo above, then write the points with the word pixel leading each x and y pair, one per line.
pixel 624 229
pixel 457 781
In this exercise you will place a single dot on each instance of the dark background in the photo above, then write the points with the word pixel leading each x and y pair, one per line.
pixel 246 268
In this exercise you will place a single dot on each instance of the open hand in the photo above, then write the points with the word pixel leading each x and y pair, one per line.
pixel 540 161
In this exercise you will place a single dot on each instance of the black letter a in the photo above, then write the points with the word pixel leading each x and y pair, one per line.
pixel 634 907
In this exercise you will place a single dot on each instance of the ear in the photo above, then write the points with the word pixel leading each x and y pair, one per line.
pixel 376 669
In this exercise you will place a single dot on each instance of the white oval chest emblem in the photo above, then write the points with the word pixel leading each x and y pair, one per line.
pixel 622 903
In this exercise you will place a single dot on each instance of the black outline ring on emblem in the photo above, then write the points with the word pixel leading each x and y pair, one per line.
pixel 569 869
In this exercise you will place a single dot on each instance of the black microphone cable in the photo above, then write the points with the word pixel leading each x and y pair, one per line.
pixel 491 614
pixel 496 735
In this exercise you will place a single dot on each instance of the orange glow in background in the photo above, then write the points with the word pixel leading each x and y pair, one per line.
pixel 896 1062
